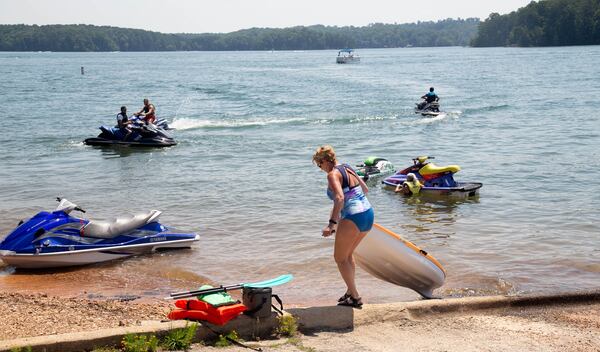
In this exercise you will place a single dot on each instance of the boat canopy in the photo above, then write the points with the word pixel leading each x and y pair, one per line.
pixel 345 51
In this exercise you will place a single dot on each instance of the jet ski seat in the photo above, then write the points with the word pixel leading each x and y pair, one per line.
pixel 118 226
pixel 431 169
pixel 372 161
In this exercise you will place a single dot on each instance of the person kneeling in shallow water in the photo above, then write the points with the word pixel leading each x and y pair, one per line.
pixel 410 187
pixel 351 218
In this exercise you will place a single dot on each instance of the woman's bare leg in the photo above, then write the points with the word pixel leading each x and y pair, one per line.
pixel 346 240
pixel 354 245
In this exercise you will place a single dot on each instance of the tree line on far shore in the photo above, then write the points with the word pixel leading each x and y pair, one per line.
pixel 449 32
pixel 543 23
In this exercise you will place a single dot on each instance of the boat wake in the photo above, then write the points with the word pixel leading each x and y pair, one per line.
pixel 184 123
pixel 189 123
pixel 434 119
pixel 353 119
pixel 428 120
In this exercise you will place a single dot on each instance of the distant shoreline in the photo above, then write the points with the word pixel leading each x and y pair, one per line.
pixel 539 24
pixel 297 51
pixel 89 38
pixel 230 51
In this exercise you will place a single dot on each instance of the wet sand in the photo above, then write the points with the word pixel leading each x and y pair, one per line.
pixel 118 278
pixel 155 276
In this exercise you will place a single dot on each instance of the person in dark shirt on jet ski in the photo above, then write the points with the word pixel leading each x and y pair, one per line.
pixel 148 112
pixel 429 97
pixel 123 122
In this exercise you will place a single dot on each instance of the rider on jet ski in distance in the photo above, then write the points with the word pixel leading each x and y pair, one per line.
pixel 148 112
pixel 429 97
pixel 123 122
pixel 133 131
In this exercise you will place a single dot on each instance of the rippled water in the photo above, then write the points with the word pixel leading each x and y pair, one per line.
pixel 524 122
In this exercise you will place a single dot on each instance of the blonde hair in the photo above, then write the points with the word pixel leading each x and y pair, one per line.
pixel 324 153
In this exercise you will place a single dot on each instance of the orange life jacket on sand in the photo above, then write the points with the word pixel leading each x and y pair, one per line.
pixel 199 310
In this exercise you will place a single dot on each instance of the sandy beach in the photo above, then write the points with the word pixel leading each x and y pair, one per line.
pixel 37 314
pixel 540 327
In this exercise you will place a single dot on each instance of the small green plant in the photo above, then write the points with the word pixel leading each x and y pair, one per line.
pixel 306 349
pixel 180 339
pixel 288 326
pixel 298 343
pixel 223 340
pixel 21 349
pixel 139 343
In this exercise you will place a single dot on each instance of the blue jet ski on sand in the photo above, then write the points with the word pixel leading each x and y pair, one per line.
pixel 56 239
pixel 142 135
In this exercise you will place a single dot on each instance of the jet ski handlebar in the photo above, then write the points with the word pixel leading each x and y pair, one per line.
pixel 422 159
pixel 66 205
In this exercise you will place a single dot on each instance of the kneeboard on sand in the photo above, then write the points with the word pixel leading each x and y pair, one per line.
pixel 391 258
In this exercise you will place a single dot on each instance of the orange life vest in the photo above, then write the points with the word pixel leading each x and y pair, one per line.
pixel 199 310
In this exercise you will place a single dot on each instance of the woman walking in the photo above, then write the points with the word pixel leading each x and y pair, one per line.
pixel 351 217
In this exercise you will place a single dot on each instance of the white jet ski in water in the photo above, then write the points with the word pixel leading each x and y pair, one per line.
pixel 374 168
pixel 428 109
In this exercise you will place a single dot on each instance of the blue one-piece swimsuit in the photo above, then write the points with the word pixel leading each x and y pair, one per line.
pixel 356 205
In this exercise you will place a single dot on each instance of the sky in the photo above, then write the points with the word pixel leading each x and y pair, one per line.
pixel 200 16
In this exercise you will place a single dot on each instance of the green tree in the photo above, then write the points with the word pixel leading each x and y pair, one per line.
pixel 104 38
pixel 543 23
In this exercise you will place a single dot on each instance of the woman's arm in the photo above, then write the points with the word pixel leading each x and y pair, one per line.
pixel 333 182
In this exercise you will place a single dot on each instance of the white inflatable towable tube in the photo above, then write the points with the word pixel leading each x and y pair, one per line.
pixel 389 257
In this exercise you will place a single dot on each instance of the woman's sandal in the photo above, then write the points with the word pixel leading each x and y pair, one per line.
pixel 352 302
pixel 344 297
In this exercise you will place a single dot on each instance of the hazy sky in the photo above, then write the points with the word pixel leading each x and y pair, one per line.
pixel 196 16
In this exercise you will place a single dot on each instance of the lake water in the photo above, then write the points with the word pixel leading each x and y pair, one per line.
pixel 524 122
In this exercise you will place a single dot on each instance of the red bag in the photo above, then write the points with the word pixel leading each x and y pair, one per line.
pixel 199 310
